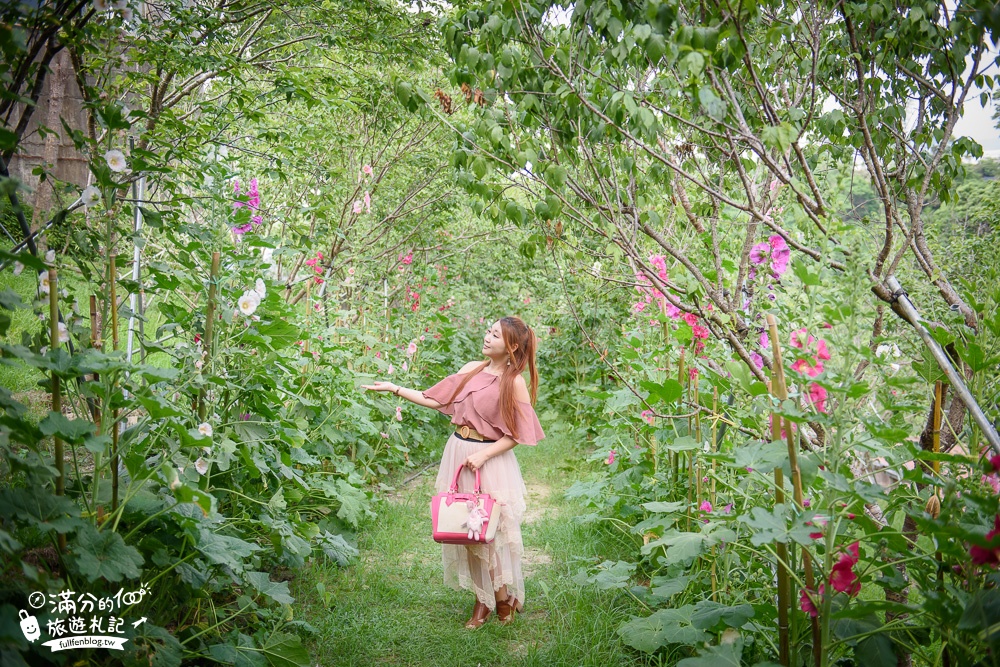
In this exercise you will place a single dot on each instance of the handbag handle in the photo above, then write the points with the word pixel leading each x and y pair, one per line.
pixel 454 482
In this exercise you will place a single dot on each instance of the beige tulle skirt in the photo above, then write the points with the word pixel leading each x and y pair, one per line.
pixel 486 568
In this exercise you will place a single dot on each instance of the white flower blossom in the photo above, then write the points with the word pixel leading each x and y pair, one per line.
pixel 18 267
pixel 116 160
pixel 63 332
pixel 175 481
pixel 205 429
pixel 127 14
pixel 90 196
pixel 886 350
pixel 120 4
pixel 248 302
pixel 201 465
pixel 260 288
pixel 101 5
pixel 43 282
pixel 50 256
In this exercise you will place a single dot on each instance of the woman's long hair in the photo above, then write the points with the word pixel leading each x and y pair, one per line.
pixel 514 332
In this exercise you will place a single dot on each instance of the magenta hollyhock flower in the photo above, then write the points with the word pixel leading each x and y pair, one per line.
pixel 818 395
pixel 366 170
pixel 658 261
pixel 821 352
pixel 779 262
pixel 256 220
pixel 803 366
pixel 411 349
pixel 757 360
pixel 801 338
pixel 691 318
pixel 777 242
pixel 990 554
pixel 995 462
pixel 765 341
pixel 611 457
pixel 408 259
pixel 842 577
pixel 673 312
pixel 399 414
pixel 706 507
pixel 759 253
pixel 639 307
pixel 728 508
pixel 253 197
pixel 805 601
pixel 699 331
pixel 648 416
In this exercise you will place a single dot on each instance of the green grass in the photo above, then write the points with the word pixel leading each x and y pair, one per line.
pixel 392 608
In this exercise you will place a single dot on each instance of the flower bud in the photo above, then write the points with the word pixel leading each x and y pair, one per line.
pixel 933 506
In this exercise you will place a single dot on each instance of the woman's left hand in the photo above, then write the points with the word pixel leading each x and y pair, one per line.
pixel 476 461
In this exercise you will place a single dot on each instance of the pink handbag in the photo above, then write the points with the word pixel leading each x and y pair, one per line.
pixel 464 518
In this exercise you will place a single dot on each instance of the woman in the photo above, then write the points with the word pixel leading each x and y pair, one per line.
pixel 483 399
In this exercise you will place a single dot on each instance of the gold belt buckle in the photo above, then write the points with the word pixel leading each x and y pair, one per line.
pixel 464 431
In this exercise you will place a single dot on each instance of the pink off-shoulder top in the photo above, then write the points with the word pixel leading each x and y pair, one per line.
pixel 478 406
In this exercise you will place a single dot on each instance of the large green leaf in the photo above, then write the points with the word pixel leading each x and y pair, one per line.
pixel 280 333
pixel 150 645
pixel 707 615
pixel 666 626
pixel 285 650
pixel 46 511
pixel 70 430
pixel 772 526
pixel 274 590
pixel 224 549
pixel 104 555
pixel 723 655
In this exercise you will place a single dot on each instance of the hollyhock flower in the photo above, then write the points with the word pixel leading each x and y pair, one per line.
pixel 205 429
pixel 116 161
pixel 765 341
pixel 201 465
pixel 672 311
pixel 408 259
pixel 378 355
pixel 256 220
pixel 611 458
pixel 699 331
pixel 706 507
pixel 639 307
pixel 693 373
pixel 993 480
pixel 727 509
pixel 350 271
pixel 384 435
pixel 367 170
pixel 759 253
pixel 421 338
pixel 368 202
pixel 816 536
pixel 391 370
pixel 803 366
pixel 405 367
pixel 411 349
pixel 805 601
pixel 248 302
pixel 399 414
pixel 801 338
pixel 821 351
pixel 777 243
pixel 63 333
pixel 779 262
pixel 648 416
pixel 260 288
pixel 90 196
pixel 691 319
pixel 817 395
pixel 842 577
pixel 358 206
pixel 245 417
pixel 757 360
pixel 990 554
pixel 43 282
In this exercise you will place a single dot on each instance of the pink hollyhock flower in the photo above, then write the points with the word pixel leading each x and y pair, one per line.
pixel 757 360
pixel 765 341
pixel 806 603
pixel 803 366
pixel 817 395
pixel 358 206
pixel 693 373
pixel 411 349
pixel 990 554
pixel 691 318
pixel 843 578
pixel 253 200
pixel 378 355
pixel 366 170
pixel 405 367
pixel 658 261
pixel 408 259
pixel 706 507
pixel 759 253
pixel 801 338
pixel 256 220
pixel 421 338
pixel 611 457
pixel 699 331
pixel 672 311
pixel 821 352
pixel 779 263
pixel 311 262
pixel 399 414
pixel 392 369
pixel 648 416
pixel 639 307
pixel 995 462
pixel 384 435
pixel 777 242
pixel 816 536
pixel 368 202
pixel 727 509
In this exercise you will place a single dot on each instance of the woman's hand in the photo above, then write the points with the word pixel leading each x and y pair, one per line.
pixel 476 460
pixel 381 386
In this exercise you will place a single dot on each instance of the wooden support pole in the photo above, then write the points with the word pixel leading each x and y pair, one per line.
pixel 56 389
pixel 114 413
pixel 209 329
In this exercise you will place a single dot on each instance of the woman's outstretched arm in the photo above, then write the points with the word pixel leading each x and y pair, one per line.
pixel 412 395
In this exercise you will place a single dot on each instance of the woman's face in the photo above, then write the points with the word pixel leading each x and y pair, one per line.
pixel 493 346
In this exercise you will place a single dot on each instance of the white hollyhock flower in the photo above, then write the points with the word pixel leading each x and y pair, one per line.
pixel 116 160
pixel 248 302
pixel 18 267
pixel 43 282
pixel 50 256
pixel 101 5
pixel 201 465
pixel 205 429
pixel 63 332
pixel 91 196
pixel 120 4
pixel 260 288
pixel 175 478
pixel 127 14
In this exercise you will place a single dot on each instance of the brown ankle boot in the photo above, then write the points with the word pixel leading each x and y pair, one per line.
pixel 507 608
pixel 480 613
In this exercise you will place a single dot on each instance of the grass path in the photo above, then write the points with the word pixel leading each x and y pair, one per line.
pixel 391 608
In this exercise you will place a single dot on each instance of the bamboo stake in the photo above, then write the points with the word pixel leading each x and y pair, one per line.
pixel 56 389
pixel 793 461
pixel 209 329
pixel 95 405
pixel 938 400
pixel 114 413
pixel 712 499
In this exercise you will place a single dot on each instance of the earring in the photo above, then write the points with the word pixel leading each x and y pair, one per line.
pixel 508 361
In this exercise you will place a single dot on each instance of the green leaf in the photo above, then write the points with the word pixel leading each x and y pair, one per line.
pixel 224 550
pixel 150 645
pixel 668 391
pixel 666 626
pixel 666 587
pixel 666 507
pixel 875 651
pixel 244 653
pixel 285 650
pixel 104 555
pixel 70 430
pixel 41 509
pixel 771 526
pixel 336 547
pixel 681 547
pixel 281 333
pixel 761 456
pixel 273 590
pixel 723 655
pixel 707 615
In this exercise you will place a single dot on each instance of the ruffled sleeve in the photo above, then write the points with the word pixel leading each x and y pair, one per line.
pixel 442 392
pixel 529 430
